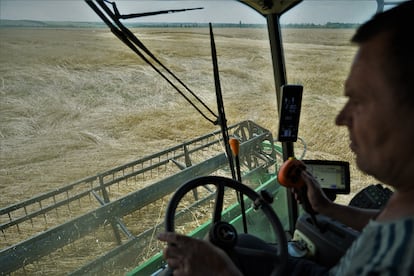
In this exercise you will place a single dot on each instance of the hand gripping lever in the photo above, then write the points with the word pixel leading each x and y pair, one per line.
pixel 290 176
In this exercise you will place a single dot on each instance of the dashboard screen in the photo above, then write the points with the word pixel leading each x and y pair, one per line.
pixel 289 112
pixel 333 176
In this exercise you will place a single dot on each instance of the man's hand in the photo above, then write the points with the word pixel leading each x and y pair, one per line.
pixel 353 217
pixel 318 200
pixel 188 256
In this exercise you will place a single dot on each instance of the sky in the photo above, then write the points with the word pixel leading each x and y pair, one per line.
pixel 222 11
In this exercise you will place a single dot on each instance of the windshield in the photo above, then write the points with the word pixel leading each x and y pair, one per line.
pixel 77 101
pixel 87 126
pixel 318 54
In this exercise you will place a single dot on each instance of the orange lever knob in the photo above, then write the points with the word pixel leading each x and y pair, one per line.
pixel 290 173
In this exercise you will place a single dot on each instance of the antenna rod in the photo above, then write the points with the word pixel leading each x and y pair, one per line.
pixel 223 124
pixel 235 148
pixel 222 121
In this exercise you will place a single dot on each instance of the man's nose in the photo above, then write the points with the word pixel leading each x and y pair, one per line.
pixel 342 117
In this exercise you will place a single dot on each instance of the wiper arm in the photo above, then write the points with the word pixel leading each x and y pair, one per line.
pixel 126 36
pixel 136 15
pixel 143 14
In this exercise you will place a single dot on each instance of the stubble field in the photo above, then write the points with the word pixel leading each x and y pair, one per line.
pixel 75 102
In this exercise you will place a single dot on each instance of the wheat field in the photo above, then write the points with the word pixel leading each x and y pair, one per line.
pixel 75 102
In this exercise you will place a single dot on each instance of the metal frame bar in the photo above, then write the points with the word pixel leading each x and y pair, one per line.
pixel 46 242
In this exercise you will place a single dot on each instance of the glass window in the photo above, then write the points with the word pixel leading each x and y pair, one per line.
pixel 87 126
pixel 319 53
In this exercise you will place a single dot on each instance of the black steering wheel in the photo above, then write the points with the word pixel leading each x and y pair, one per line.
pixel 251 255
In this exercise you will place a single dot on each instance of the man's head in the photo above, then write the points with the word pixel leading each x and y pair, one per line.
pixel 398 58
pixel 380 111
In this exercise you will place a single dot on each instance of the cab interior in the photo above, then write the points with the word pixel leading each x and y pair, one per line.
pixel 193 186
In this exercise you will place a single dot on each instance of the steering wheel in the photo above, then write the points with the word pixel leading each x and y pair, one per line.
pixel 250 254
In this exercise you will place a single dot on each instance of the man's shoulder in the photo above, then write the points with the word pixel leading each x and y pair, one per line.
pixel 382 247
pixel 403 222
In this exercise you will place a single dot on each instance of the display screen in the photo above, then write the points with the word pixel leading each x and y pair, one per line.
pixel 333 176
pixel 289 113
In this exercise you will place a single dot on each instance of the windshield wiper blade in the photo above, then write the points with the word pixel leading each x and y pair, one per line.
pixel 126 36
pixel 143 14
pixel 118 15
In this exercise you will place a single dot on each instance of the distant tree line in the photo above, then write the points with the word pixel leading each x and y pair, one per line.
pixel 70 24
pixel 329 25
